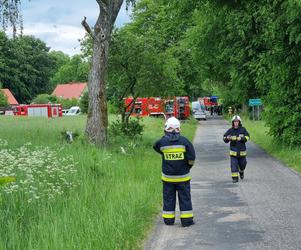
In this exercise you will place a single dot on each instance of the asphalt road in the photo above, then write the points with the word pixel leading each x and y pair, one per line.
pixel 263 211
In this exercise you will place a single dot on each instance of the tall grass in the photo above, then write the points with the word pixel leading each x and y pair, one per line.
pixel 116 191
pixel 259 134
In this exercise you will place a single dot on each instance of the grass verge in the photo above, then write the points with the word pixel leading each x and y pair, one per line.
pixel 259 134
pixel 77 196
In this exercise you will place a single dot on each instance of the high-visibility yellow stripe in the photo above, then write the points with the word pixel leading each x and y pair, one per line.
pixel 186 215
pixel 247 137
pixel 234 174
pixel 176 179
pixel 233 138
pixel 174 150
pixel 233 153
pixel 168 216
pixel 242 153
pixel 172 146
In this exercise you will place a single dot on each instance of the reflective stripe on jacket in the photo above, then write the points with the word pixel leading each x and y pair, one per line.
pixel 237 147
pixel 178 156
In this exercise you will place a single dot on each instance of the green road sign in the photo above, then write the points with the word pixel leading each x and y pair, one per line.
pixel 255 102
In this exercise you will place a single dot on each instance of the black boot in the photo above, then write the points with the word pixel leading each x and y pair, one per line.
pixel 169 222
pixel 241 175
pixel 234 179
pixel 186 222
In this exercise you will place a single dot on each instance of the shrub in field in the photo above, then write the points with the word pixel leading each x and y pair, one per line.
pixel 131 129
pixel 84 102
pixel 112 107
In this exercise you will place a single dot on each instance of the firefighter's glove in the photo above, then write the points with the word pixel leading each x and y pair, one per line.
pixel 190 163
pixel 242 137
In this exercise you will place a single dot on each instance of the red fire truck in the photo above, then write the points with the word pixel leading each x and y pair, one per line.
pixel 178 107
pixel 45 110
pixel 140 106
pixel 155 106
pixel 210 103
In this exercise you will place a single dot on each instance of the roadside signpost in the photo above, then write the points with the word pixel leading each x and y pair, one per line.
pixel 255 104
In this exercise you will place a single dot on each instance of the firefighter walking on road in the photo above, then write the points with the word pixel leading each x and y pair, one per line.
pixel 178 157
pixel 237 135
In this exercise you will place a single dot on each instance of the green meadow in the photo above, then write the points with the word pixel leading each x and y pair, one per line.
pixel 260 135
pixel 76 195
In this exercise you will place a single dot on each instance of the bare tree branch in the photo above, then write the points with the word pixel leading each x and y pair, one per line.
pixel 130 86
pixel 87 28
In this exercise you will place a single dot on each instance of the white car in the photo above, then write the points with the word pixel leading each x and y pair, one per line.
pixel 75 110
pixel 65 111
pixel 198 111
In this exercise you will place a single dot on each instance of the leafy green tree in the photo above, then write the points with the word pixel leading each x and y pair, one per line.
pixel 136 68
pixel 222 46
pixel 3 99
pixel 71 70
pixel 279 72
pixel 250 49
pixel 60 58
pixel 84 102
pixel 27 66
pixel 68 103
pixel 8 74
pixel 44 99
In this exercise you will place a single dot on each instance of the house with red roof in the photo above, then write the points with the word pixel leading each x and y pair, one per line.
pixel 73 90
pixel 10 97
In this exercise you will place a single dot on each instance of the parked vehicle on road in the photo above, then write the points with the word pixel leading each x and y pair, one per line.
pixel 198 111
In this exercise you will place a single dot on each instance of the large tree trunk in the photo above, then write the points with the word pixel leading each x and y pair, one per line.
pixel 97 121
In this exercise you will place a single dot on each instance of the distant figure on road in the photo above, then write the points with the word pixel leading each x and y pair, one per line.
pixel 178 157
pixel 237 136
pixel 230 111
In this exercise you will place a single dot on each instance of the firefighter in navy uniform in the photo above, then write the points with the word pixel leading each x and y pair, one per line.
pixel 237 136
pixel 178 157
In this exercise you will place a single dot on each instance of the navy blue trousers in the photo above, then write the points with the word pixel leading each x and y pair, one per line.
pixel 169 202
pixel 238 164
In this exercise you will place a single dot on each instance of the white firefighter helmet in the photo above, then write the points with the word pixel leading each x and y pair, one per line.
pixel 172 124
pixel 236 118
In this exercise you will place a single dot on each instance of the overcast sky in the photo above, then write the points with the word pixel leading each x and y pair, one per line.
pixel 58 22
